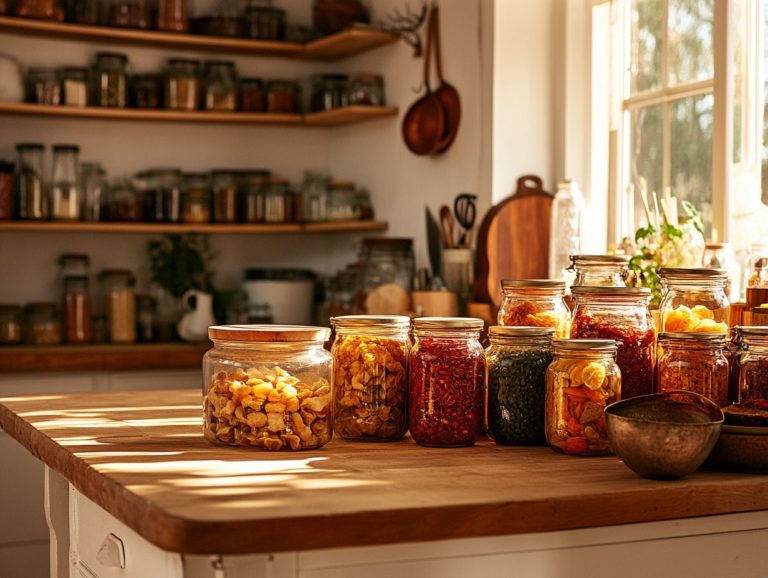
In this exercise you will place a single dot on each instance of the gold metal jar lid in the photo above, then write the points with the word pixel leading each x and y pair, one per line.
pixel 447 324
pixel 600 259
pixel 692 274
pixel 752 330
pixel 583 345
pixel 394 322
pixel 269 333
pixel 508 332
pixel 532 284
pixel 693 337
pixel 610 291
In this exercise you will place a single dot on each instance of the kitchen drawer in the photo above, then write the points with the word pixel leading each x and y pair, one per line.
pixel 24 561
pixel 21 495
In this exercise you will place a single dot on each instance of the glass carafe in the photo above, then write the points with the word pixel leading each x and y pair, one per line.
pixel 565 229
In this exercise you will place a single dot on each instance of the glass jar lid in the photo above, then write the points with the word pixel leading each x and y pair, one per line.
pixel 585 345
pixel 447 324
pixel 394 322
pixel 532 284
pixel 36 146
pixel 599 259
pixel 66 148
pixel 693 337
pixel 752 330
pixel 505 332
pixel 269 333
pixel 692 274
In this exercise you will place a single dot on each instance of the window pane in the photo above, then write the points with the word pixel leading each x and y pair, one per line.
pixel 691 33
pixel 646 29
pixel 691 153
pixel 645 153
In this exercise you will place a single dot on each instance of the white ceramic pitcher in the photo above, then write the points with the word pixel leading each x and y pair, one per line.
pixel 195 321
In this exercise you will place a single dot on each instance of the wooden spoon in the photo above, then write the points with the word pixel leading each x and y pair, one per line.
pixel 424 123
pixel 446 93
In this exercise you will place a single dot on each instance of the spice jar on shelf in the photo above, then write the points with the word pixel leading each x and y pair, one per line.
pixel 252 196
pixel 196 198
pixel 42 324
pixel 753 365
pixel 84 12
pixel 109 79
pixel 130 14
pixel 365 89
pixel 6 191
pixel 620 314
pixel 277 201
pixel 40 10
pixel 118 293
pixel 173 15
pixel 370 382
pixel 341 202
pixel 43 86
pixel 94 183
pixel 225 185
pixel 66 193
pixel 253 97
pixel 146 318
pixel 10 324
pixel 74 86
pixel 446 381
pixel 600 270
pixel 535 303
pixel 31 201
pixel 163 195
pixel 146 91
pixel 328 92
pixel 694 300
pixel 220 86
pixel 182 84
pixel 123 202
pixel 517 361
pixel 268 387
pixel 264 21
pixel 314 196
pixel 283 96
pixel 581 381
pixel 693 362
pixel 77 310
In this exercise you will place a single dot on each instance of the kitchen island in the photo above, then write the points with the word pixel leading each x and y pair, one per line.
pixel 133 489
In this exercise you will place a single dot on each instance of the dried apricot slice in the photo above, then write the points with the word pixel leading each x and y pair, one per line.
pixel 702 312
pixel 679 319
pixel 711 326
pixel 575 373
pixel 593 375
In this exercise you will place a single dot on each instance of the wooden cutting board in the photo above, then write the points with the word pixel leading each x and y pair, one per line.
pixel 513 240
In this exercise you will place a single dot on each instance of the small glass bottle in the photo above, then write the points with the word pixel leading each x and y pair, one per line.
pixel 252 202
pixel 6 191
pixel 268 387
pixel 146 318
pixel 66 193
pixel 517 361
pixel 252 95
pixel 694 300
pixel 225 185
pixel 123 202
pixel 74 86
pixel 182 84
pixel 446 382
pixel 600 270
pixel 196 198
pixel 370 376
pixel 110 86
pixel 10 324
pixel 173 15
pixel 42 324
pixel 94 183
pixel 581 381
pixel 163 195
pixel 77 310
pixel 31 200
pixel 220 86
pixel 536 303
pixel 120 302
pixel 565 236
pixel 264 21
pixel 277 201
pixel 693 362
pixel 43 86
pixel 342 201
pixel 314 196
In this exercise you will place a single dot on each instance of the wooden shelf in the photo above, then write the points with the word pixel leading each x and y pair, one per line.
pixel 343 44
pixel 337 117
pixel 212 228
pixel 103 357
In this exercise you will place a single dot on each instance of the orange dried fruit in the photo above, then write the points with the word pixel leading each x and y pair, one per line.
pixel 711 326
pixel 593 375
pixel 679 319
pixel 702 312
pixel 575 373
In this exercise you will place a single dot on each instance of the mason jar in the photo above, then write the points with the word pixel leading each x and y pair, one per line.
pixel 110 80
pixel 753 370
pixel 581 381
pixel 10 324
pixel 693 362
pixel 225 185
pixel 517 362
pixel 182 84
pixel 446 382
pixel 534 303
pixel 119 298
pixel 600 270
pixel 386 275
pixel 370 360
pixel 42 324
pixel 268 387
pixel 694 300
pixel 621 314
pixel 220 85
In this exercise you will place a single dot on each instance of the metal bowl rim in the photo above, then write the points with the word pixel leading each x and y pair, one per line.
pixel 608 411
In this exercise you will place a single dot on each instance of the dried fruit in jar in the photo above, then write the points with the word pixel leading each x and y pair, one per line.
pixel 699 319
pixel 268 408
pixel 527 314
pixel 370 384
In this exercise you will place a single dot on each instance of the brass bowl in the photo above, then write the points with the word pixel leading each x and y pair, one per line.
pixel 663 436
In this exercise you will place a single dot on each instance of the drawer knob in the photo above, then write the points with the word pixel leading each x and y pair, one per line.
pixel 111 552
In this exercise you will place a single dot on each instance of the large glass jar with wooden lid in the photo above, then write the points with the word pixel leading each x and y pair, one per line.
pixel 268 387
pixel 119 298
pixel 600 270
pixel 534 303
pixel 694 300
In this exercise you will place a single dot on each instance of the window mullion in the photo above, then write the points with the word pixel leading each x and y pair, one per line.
pixel 722 126
pixel 666 125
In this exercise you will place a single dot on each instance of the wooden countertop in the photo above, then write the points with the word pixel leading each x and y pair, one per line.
pixel 141 456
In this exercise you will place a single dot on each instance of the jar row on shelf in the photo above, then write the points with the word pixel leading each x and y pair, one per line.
pixel 276 387
pixel 188 85
pixel 77 191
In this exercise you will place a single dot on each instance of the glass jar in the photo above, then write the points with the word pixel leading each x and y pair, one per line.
pixel 94 183
pixel 220 80
pixel 182 84
pixel 328 92
pixel 370 357
pixel 694 300
pixel 43 86
pixel 277 201
pixel 446 368
pixel 759 316
pixel 196 198
pixel 600 270
pixel 253 96
pixel 517 361
pixel 163 195
pixel 621 314
pixel 30 199
pixel 268 387
pixel 364 205
pixel 365 89
pixel 693 362
pixel 77 310
pixel 123 202
pixel 146 90
pixel 314 196
pixel 253 196
pixel 173 15
pixel 10 324
pixel 130 14
pixel 74 265
pixel 117 287
pixel 225 186
pixel 264 21
pixel 757 275
pixel 6 190
pixel 66 193
pixel 565 227
pixel 283 96
pixel 753 366
pixel 581 381
pixel 84 12
pixel 42 324
pixel 341 201
pixel 146 318
pixel 110 80
pixel 74 86
pixel 535 303
pixel 386 276
pixel 40 10
pixel 722 256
